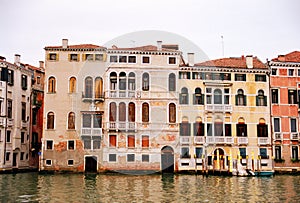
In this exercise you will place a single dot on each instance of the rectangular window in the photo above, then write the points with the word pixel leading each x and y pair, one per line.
pixel 199 152
pixel 74 57
pixel 196 75
pixel 240 77
pixel 184 75
pixel 24 82
pixel 295 152
pixel 145 141
pixel 131 59
pixel 274 71
pixel 185 152
pixel 87 142
pixel 243 153
pixel 70 162
pixel 145 59
pixel 22 156
pixel 293 125
pixel 53 57
pixel 276 124
pixel 49 144
pixel 10 77
pixel 8 136
pixel 130 141
pixel 260 78
pixel 145 157
pixel 88 57
pixel 262 130
pixel 298 72
pixel 122 59
pixel 99 57
pixel 241 130
pixel 274 96
pixel 292 96
pixel 198 129
pixel 48 162
pixel 185 129
pixel 7 156
pixel 71 145
pixel 87 120
pixel 172 60
pixel 22 137
pixel 291 72
pixel 227 129
pixel 277 152
pixel 113 59
pixel 96 142
pixel 24 111
pixel 130 157
pixel 112 157
pixel 209 129
pixel 9 108
pixel 97 121
pixel 263 153
pixel 112 140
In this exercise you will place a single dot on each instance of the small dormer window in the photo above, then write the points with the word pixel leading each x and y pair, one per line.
pixel 73 57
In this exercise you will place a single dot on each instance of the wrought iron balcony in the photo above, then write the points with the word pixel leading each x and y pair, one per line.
pixel 219 140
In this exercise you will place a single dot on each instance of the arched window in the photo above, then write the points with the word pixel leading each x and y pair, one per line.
pixel 145 112
pixel 88 87
pixel 50 120
pixel 172 113
pixel 112 112
pixel 131 81
pixel 51 84
pixel 122 112
pixel 131 112
pixel 71 121
pixel 98 88
pixel 172 82
pixel 185 127
pixel 113 81
pixel 145 82
pixel 72 85
pixel 262 128
pixel 217 96
pixel 261 99
pixel 240 98
pixel 184 96
pixel 198 97
pixel 122 81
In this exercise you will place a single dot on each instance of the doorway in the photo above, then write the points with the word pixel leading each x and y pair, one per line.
pixel 167 159
pixel 15 156
pixel 221 163
pixel 91 164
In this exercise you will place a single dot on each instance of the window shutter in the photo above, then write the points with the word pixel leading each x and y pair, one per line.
pixel 245 100
pixel 189 129
pixel 104 57
pixel 69 57
pixel 83 57
pixel 245 133
pixel 265 100
pixel 236 100
pixel 181 129
pixel 12 77
pixel 78 57
pixel 256 100
pixel 48 57
pixel 195 129
pixel 57 57
pixel 202 98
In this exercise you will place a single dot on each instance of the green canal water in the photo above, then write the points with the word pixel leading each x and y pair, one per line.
pixel 34 187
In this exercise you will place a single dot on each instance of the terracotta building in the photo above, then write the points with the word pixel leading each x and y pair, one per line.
pixel 285 86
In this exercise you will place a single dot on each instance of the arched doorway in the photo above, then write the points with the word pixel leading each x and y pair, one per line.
pixel 167 159
pixel 91 164
pixel 219 163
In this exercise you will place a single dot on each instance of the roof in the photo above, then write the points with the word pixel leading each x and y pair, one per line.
pixel 290 57
pixel 232 62
pixel 142 48
pixel 79 46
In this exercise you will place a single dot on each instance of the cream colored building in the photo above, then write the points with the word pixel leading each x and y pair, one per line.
pixel 15 89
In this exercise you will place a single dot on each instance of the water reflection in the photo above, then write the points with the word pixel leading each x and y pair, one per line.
pixel 32 187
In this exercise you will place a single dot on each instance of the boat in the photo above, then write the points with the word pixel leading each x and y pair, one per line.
pixel 264 173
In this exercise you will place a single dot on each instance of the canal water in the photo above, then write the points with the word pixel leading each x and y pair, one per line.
pixel 34 187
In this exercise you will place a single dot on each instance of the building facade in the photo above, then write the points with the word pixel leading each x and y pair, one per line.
pixel 285 85
pixel 15 91
pixel 224 115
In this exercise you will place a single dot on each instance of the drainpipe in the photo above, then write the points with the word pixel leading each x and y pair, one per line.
pixel 271 123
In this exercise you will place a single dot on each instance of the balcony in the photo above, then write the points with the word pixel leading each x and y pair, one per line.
pixel 242 140
pixel 91 131
pixel 294 136
pixel 218 107
pixel 219 140
pixel 92 97
pixel 122 93
pixel 185 139
pixel 278 136
pixel 127 126
pixel 199 139
pixel 263 141
pixel 2 122
pixel 24 124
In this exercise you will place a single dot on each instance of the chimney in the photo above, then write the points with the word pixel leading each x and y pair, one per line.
pixel 281 57
pixel 17 59
pixel 249 61
pixel 191 59
pixel 41 64
pixel 159 45
pixel 65 43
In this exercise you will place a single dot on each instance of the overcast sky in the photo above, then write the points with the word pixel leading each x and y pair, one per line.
pixel 263 28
